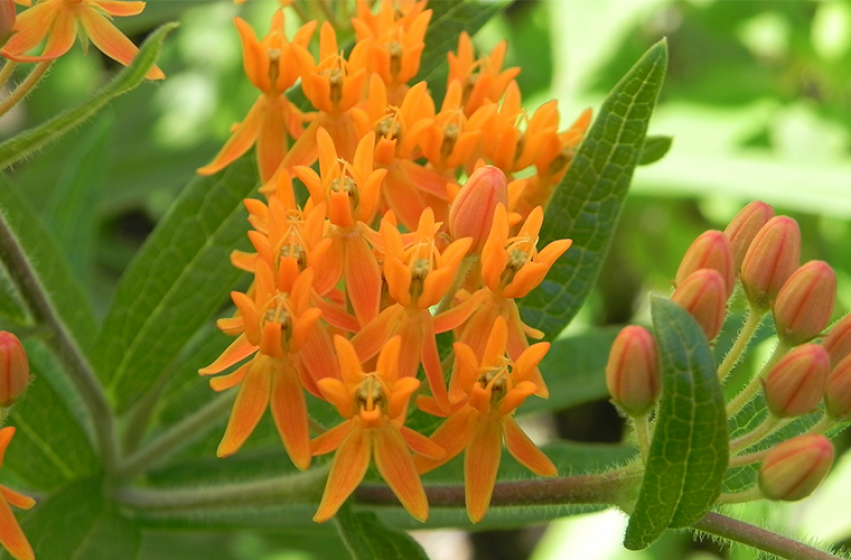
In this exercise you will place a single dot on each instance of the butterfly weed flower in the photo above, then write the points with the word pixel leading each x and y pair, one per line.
pixel 11 535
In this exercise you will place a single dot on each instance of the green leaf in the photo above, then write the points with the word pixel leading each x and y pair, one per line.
pixel 587 203
pixel 689 452
pixel 367 538
pixel 575 371
pixel 30 252
pixel 24 144
pixel 654 149
pixel 177 281
pixel 50 448
pixel 77 523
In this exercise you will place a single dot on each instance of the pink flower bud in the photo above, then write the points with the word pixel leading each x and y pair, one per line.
pixel 471 213
pixel 14 369
pixel 710 250
pixel 7 20
pixel 793 469
pixel 744 226
pixel 632 374
pixel 704 294
pixel 838 340
pixel 795 385
pixel 773 256
pixel 837 392
pixel 805 303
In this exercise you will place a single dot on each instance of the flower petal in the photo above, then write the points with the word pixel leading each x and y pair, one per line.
pixel 236 352
pixel 16 499
pixel 59 40
pixel 111 41
pixel 5 437
pixel 11 535
pixel 481 462
pixel 120 9
pixel 526 452
pixel 348 469
pixel 289 411
pixel 363 279
pixel 249 407
pixel 422 445
pixel 335 393
pixel 331 440
pixel 453 436
pixel 31 28
pixel 225 382
pixel 243 137
pixel 396 466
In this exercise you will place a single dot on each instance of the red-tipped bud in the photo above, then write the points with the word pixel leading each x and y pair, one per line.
pixel 773 256
pixel 632 374
pixel 743 228
pixel 838 340
pixel 704 294
pixel 795 385
pixel 7 20
pixel 710 250
pixel 837 392
pixel 471 213
pixel 793 469
pixel 14 369
pixel 805 303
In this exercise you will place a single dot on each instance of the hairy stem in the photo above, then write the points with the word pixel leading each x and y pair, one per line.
pixel 761 539
pixel 64 346
pixel 177 436
pixel 754 319
pixel 6 72
pixel 25 87
pixel 765 429
pixel 642 434
pixel 744 397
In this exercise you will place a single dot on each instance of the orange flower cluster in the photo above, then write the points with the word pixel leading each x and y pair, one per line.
pixel 389 250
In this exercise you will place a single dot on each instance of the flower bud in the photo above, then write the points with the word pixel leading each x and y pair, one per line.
pixel 805 302
pixel 795 385
pixel 837 392
pixel 632 374
pixel 710 250
pixel 773 256
pixel 704 295
pixel 471 213
pixel 744 226
pixel 838 340
pixel 793 469
pixel 7 20
pixel 14 369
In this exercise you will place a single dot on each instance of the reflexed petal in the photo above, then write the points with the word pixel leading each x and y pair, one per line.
pixel 11 535
pixel 289 411
pixel 111 41
pixel 456 316
pixel 249 407
pixel 481 462
pixel 348 469
pixel 421 444
pixel 120 9
pixel 272 139
pixel 336 317
pixel 240 141
pixel 31 27
pixel 453 436
pixel 526 452
pixel 236 352
pixel 517 344
pixel 225 382
pixel 242 260
pixel 432 366
pixel 396 466
pixel 59 40
pixel 17 499
pixel 373 335
pixel 5 437
pixel 363 279
pixel 331 440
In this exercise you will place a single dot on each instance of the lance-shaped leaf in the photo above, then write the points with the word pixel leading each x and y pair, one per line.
pixel 177 281
pixel 366 538
pixel 655 148
pixel 587 203
pixel 689 452
pixel 24 144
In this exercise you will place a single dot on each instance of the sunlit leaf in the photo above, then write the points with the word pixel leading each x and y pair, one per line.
pixel 367 538
pixel 655 148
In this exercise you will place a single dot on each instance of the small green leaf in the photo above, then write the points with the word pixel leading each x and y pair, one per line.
pixel 177 281
pixel 587 203
pixel 24 144
pixel 689 452
pixel 77 523
pixel 368 538
pixel 654 149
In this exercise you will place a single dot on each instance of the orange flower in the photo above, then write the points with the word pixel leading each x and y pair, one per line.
pixel 481 81
pixel 11 536
pixel 375 405
pixel 275 326
pixel 57 21
pixel 271 66
pixel 489 391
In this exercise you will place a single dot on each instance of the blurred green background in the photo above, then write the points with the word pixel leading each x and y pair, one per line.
pixel 757 98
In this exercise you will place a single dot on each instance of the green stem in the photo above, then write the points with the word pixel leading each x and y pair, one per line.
pixel 823 425
pixel 25 87
pixel 761 539
pixel 177 436
pixel 747 459
pixel 642 434
pixel 463 270
pixel 750 495
pixel 6 72
pixel 754 319
pixel 304 487
pixel 768 427
pixel 64 346
pixel 744 397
